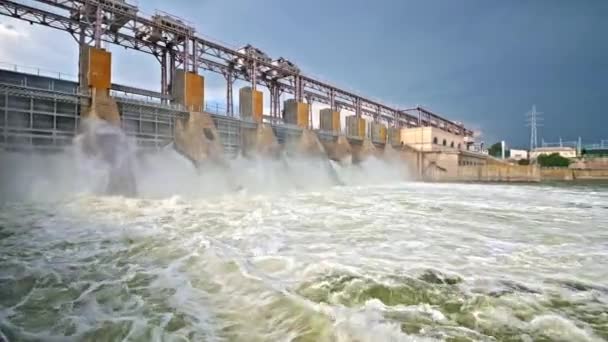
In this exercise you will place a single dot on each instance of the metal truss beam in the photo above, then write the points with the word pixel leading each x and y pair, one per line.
pixel 116 23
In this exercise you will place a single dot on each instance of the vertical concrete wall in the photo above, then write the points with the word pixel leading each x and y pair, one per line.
pixel 329 120
pixel 418 138
pixel 524 173
pixel 251 104
pixel 296 113
pixel 423 138
pixel 440 166
pixel 403 158
pixel 498 173
pixel 557 174
pixel 510 173
pixel 595 174
pixel 597 163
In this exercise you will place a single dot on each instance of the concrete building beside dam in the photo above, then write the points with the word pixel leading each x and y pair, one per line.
pixel 564 151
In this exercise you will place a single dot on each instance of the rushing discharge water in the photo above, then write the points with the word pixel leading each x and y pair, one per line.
pixel 269 252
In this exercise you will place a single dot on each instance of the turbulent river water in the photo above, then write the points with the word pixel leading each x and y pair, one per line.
pixel 293 258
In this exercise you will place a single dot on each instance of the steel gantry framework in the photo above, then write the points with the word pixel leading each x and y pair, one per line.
pixel 175 44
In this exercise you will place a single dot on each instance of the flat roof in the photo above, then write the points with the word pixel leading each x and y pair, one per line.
pixel 557 148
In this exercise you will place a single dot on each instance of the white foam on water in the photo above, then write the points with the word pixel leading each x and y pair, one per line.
pixel 367 324
pixel 561 329
pixel 223 253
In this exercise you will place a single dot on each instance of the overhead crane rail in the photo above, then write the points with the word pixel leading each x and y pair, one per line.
pixel 162 35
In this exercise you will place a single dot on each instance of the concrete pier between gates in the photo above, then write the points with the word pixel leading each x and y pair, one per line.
pixel 329 120
pixel 378 132
pixel 296 113
pixel 188 90
pixel 363 151
pixel 251 104
pixel 338 150
pixel 309 144
pixel 355 126
pixel 259 141
pixel 96 77
pixel 196 136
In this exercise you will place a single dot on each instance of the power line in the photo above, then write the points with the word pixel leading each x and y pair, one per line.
pixel 533 120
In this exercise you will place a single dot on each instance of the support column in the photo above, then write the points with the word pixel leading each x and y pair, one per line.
pixel 355 126
pixel 259 140
pixel 98 22
pixel 194 59
pixel 296 113
pixel 378 132
pixel 253 73
pixel 185 54
pixel 95 76
pixel 272 90
pixel 329 120
pixel 332 99
pixel 196 137
pixel 298 89
pixel 309 102
pixel 277 102
pixel 163 75
pixel 394 136
pixel 274 100
pixel 95 135
pixel 229 96
pixel 188 90
pixel 172 67
pixel 251 104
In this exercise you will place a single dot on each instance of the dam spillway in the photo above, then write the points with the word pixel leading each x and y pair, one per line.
pixel 130 214
pixel 43 113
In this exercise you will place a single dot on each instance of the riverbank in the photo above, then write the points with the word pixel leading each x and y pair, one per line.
pixel 515 173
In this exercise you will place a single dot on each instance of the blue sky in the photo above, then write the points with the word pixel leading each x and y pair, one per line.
pixel 481 62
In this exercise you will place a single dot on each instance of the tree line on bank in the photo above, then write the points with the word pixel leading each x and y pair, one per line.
pixel 544 160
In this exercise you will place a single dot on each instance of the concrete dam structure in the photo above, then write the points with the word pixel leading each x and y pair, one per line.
pixel 47 113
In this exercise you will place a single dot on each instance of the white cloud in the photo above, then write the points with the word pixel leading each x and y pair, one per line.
pixel 9 31
pixel 37 47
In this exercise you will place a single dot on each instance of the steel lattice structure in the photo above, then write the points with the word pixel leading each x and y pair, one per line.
pixel 175 44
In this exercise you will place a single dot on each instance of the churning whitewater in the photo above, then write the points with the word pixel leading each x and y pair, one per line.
pixel 295 250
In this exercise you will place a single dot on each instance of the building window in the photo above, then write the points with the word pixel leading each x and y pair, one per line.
pixel 445 142
pixel 452 145
pixel 459 146
pixel 435 140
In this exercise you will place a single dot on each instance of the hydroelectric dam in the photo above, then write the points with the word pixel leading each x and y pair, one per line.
pixel 299 211
pixel 45 113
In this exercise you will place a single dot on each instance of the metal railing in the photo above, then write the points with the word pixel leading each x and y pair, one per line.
pixel 24 69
